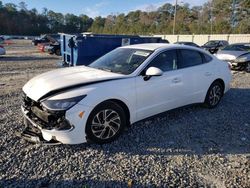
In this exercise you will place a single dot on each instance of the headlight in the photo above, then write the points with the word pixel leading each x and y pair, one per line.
pixel 62 104
pixel 241 59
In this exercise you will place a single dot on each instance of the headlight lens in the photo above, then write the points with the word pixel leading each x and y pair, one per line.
pixel 62 104
pixel 241 59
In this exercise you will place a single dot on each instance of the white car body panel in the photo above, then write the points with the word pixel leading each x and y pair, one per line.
pixel 150 102
pixel 65 77
pixel 143 98
pixel 200 77
pixel 77 135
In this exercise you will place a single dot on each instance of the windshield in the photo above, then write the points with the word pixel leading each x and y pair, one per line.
pixel 121 60
pixel 187 43
pixel 238 47
pixel 212 43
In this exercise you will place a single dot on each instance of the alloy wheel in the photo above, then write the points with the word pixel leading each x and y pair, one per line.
pixel 215 95
pixel 106 124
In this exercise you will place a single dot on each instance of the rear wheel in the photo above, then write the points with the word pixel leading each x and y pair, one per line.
pixel 214 95
pixel 105 123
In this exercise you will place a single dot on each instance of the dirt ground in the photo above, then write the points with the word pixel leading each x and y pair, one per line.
pixel 192 146
pixel 21 62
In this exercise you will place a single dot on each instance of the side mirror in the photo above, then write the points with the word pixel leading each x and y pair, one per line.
pixel 152 71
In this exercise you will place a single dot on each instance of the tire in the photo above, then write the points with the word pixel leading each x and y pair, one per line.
pixel 214 95
pixel 100 131
pixel 58 52
pixel 247 68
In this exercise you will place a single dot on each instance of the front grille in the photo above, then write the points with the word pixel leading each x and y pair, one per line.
pixel 27 102
pixel 44 118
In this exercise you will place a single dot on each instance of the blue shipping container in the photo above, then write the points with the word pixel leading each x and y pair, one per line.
pixel 83 49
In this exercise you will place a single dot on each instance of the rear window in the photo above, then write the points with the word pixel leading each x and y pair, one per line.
pixel 207 58
pixel 189 58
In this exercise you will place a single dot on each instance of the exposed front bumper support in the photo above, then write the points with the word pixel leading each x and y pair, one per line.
pixel 75 135
pixel 32 132
pixel 34 136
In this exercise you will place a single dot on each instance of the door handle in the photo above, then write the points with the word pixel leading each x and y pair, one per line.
pixel 176 80
pixel 208 74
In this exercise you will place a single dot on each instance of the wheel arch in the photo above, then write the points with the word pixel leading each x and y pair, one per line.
pixel 116 102
pixel 121 104
pixel 221 82
pixel 124 107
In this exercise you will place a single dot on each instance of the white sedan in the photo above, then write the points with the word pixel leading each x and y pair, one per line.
pixel 96 102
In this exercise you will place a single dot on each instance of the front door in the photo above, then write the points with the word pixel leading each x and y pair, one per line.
pixel 160 93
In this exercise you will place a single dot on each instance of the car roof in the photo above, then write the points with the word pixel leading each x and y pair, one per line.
pixel 151 46
pixel 217 40
pixel 243 43
pixel 183 42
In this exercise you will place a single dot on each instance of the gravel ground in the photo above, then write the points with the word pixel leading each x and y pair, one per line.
pixel 186 147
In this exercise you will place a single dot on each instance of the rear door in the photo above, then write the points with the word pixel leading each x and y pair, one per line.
pixel 197 69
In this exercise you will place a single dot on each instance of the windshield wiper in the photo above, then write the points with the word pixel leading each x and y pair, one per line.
pixel 105 69
pixel 109 70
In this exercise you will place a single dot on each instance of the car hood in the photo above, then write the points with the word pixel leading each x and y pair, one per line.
pixel 61 79
pixel 229 55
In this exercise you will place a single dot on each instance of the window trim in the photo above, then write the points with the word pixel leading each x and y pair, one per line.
pixel 204 58
pixel 180 58
pixel 143 71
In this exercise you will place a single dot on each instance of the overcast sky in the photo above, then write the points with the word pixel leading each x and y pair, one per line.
pixel 95 8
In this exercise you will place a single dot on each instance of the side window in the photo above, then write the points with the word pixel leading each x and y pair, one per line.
pixel 206 58
pixel 189 58
pixel 165 61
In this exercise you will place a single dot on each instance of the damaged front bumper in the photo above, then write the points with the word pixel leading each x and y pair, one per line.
pixel 238 65
pixel 53 127
pixel 34 135
pixel 35 131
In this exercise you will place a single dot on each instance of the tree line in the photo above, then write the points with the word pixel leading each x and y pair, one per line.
pixel 213 17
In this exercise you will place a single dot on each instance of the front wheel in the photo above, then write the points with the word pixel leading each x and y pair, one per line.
pixel 214 95
pixel 105 123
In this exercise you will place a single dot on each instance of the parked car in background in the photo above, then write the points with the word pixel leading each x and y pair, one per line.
pixel 2 50
pixel 96 102
pixel 50 38
pixel 7 40
pixel 238 55
pixel 47 46
pixel 214 45
pixel 1 40
pixel 188 43
pixel 41 46
pixel 54 49
pixel 42 39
